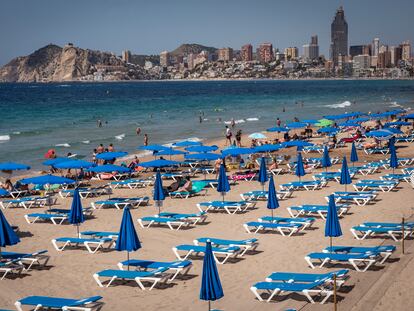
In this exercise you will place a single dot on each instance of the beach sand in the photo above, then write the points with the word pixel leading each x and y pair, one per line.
pixel 69 273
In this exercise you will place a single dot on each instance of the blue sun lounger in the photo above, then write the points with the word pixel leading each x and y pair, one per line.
pixel 327 176
pixel 227 252
pixel 362 232
pixel 27 202
pixel 146 222
pixel 383 185
pixel 305 222
pixel 178 267
pixel 56 303
pixel 38 258
pixel 294 277
pixel 385 250
pixel 92 245
pixel 87 211
pixel 231 207
pixel 245 245
pixel 155 277
pixel 56 219
pixel 409 225
pixel 361 262
pixel 131 183
pixel 279 288
pixel 195 217
pixel 285 229
pixel 11 266
pixel 303 185
pixel 315 210
pixel 257 195
pixel 397 177
pixel 101 234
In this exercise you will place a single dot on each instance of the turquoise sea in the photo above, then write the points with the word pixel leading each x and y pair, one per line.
pixel 63 116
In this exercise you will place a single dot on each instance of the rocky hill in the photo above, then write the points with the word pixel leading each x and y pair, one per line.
pixel 53 63
pixel 185 49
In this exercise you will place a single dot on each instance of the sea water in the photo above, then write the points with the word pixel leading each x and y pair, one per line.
pixel 37 117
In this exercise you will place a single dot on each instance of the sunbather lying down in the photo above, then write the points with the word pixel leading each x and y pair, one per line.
pixel 188 186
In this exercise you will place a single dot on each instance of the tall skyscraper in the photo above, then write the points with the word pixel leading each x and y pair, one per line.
pixel 126 56
pixel 311 51
pixel 339 36
pixel 355 50
pixel 396 54
pixel 265 52
pixel 291 53
pixel 247 53
pixel 375 47
pixel 405 50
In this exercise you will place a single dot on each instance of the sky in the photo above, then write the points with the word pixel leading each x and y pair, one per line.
pixel 150 27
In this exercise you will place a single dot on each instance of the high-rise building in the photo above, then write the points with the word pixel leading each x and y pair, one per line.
pixel 375 47
pixel 396 54
pixel 311 51
pixel 291 53
pixel 355 50
pixel 383 48
pixel 339 36
pixel 247 53
pixel 384 60
pixel 405 50
pixel 126 56
pixel 225 54
pixel 165 59
pixel 265 52
pixel 362 61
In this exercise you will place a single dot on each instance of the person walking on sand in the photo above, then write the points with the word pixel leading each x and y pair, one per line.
pixel 229 134
pixel 145 139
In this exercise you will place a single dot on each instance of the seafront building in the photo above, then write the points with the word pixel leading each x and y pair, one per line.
pixel 265 52
pixel 247 53
pixel 291 53
pixel 375 47
pixel 339 36
pixel 311 51
pixel 225 54
pixel 406 50
pixel 126 56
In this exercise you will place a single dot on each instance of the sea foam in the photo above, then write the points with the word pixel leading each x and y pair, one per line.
pixel 4 138
pixel 341 105
pixel 120 137
pixel 66 145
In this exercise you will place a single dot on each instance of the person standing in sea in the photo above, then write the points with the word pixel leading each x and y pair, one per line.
pixel 233 123
pixel 278 122
pixel 145 139
pixel 229 134
pixel 138 131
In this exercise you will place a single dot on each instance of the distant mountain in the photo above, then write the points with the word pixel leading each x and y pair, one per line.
pixel 54 63
pixel 188 48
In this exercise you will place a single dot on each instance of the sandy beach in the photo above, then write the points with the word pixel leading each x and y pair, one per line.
pixel 69 273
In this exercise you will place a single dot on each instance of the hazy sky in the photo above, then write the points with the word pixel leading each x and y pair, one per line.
pixel 149 27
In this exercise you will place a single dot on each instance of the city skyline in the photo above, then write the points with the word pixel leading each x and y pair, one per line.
pixel 103 32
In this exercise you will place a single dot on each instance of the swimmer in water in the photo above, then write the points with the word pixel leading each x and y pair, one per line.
pixel 284 109
pixel 138 131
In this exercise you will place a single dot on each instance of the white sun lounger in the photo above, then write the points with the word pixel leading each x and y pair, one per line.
pixel 92 245
pixel 284 229
pixel 56 219
pixel 361 262
pixel 37 258
pixel 362 232
pixel 245 245
pixel 190 250
pixel 146 222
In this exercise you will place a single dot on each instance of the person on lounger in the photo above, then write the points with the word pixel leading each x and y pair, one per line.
pixel 188 186
pixel 274 164
pixel 175 185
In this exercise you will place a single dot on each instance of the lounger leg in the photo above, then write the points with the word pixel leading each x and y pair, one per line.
pixel 246 227
pixel 254 291
pixel 306 293
pixel 274 293
pixel 96 278
pixel 137 279
pixel 310 263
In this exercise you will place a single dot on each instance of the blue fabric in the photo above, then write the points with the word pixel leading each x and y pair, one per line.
pixel 223 182
pixel 210 283
pixel 202 148
pixel 354 154
pixel 345 176
pixel 397 123
pixel 295 143
pixel 296 125
pixel 326 159
pixel 159 163
pixel 76 216
pixel 109 168
pixel 310 121
pixel 111 155
pixel 236 151
pixel 380 133
pixel 11 166
pixel 75 164
pixel 153 148
pixel 349 123
pixel 158 191
pixel 300 170
pixel 262 178
pixel 127 238
pixel 3 192
pixel 169 152
pixel 55 161
pixel 202 156
pixel 393 154
pixel 328 130
pixel 267 148
pixel 272 201
pixel 47 180
pixel 278 129
pixel 409 116
pixel 187 143
pixel 332 225
pixel 7 235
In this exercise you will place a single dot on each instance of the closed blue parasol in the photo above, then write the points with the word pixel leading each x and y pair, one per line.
pixel 202 148
pixel 210 283
pixel 393 155
pixel 345 176
pixel 300 170
pixel 111 155
pixel 11 166
pixel 7 235
pixel 47 180
pixel 354 154
pixel 202 156
pixel 272 201
pixel 332 226
pixel 159 195
pixel 159 163
pixel 127 238
pixel 263 178
pixel 223 183
pixel 76 211
pixel 109 168
pixel 326 159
